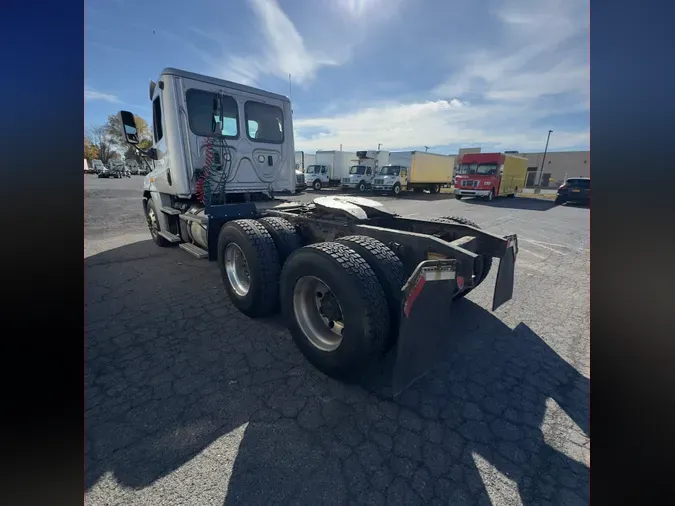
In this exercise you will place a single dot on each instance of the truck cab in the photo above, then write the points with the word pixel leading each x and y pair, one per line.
pixel 490 175
pixel 391 179
pixel 360 177
pixel 317 176
pixel 97 166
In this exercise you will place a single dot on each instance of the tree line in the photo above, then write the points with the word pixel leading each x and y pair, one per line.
pixel 106 142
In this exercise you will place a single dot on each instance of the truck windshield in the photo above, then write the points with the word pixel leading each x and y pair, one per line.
pixel 390 170
pixel 482 169
pixel 357 170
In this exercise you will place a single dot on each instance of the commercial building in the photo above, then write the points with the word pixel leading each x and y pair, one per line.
pixel 558 166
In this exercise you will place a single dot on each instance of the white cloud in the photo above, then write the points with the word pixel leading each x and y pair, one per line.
pixel 434 123
pixel 502 96
pixel 284 51
pixel 330 34
pixel 91 94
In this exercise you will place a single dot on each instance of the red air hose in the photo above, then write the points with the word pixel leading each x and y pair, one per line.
pixel 200 185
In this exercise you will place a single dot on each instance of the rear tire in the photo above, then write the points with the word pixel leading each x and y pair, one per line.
pixel 361 302
pixel 261 260
pixel 487 260
pixel 285 236
pixel 389 271
pixel 436 188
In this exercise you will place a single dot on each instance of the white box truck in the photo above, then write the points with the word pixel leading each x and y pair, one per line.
pixel 329 169
pixel 416 171
pixel 366 165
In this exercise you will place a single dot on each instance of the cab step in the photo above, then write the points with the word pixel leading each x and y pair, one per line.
pixel 194 250
pixel 191 217
pixel 172 238
pixel 170 210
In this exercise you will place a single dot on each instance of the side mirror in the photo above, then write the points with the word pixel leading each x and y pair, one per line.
pixel 129 127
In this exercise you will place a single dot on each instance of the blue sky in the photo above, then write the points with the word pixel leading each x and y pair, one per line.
pixel 404 73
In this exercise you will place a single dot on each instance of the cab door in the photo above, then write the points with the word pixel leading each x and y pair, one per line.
pixel 404 177
pixel 163 181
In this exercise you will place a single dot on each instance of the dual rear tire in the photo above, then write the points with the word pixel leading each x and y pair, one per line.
pixel 340 300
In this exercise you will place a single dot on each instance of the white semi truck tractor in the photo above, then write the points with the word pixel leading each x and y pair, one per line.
pixel 351 279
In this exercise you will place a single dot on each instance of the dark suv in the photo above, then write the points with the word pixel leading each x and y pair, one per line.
pixel 575 189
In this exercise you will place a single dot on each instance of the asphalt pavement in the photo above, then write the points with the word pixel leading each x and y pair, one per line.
pixel 188 402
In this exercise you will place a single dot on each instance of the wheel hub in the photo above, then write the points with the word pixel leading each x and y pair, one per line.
pixel 237 269
pixel 328 306
pixel 318 313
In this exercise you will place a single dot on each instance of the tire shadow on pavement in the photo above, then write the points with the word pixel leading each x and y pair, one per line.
pixel 173 370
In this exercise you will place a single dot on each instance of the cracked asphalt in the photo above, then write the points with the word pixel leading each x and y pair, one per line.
pixel 188 402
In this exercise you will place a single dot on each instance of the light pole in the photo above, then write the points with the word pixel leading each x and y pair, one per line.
pixel 541 172
pixel 378 146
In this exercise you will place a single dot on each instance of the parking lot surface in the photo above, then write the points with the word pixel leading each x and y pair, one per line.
pixel 188 402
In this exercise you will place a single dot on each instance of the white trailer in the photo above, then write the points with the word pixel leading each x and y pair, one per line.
pixel 304 160
pixel 330 168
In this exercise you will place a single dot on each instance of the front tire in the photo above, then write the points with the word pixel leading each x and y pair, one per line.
pixel 316 185
pixel 362 187
pixel 396 190
pixel 491 195
pixel 249 265
pixel 151 217
pixel 458 196
pixel 335 308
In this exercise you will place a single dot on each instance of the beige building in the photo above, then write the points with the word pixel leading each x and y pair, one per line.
pixel 557 166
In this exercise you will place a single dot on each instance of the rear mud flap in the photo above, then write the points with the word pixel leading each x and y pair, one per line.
pixel 504 284
pixel 425 310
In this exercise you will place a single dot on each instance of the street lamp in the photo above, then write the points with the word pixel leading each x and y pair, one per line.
pixel 541 172
pixel 378 146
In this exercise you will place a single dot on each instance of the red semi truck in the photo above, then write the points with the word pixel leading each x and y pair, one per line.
pixel 490 175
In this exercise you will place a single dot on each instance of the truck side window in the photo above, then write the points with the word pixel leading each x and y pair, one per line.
pixel 157 120
pixel 201 114
pixel 323 169
pixel 369 171
pixel 264 122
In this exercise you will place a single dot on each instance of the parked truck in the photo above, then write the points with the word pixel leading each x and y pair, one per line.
pixel 351 278
pixel 97 166
pixel 366 165
pixel 302 161
pixel 490 175
pixel 416 171
pixel 329 169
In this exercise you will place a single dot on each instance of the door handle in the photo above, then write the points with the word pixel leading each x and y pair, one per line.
pixel 270 161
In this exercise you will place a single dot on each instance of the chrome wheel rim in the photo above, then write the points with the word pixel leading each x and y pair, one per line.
pixel 152 222
pixel 318 313
pixel 397 190
pixel 237 269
